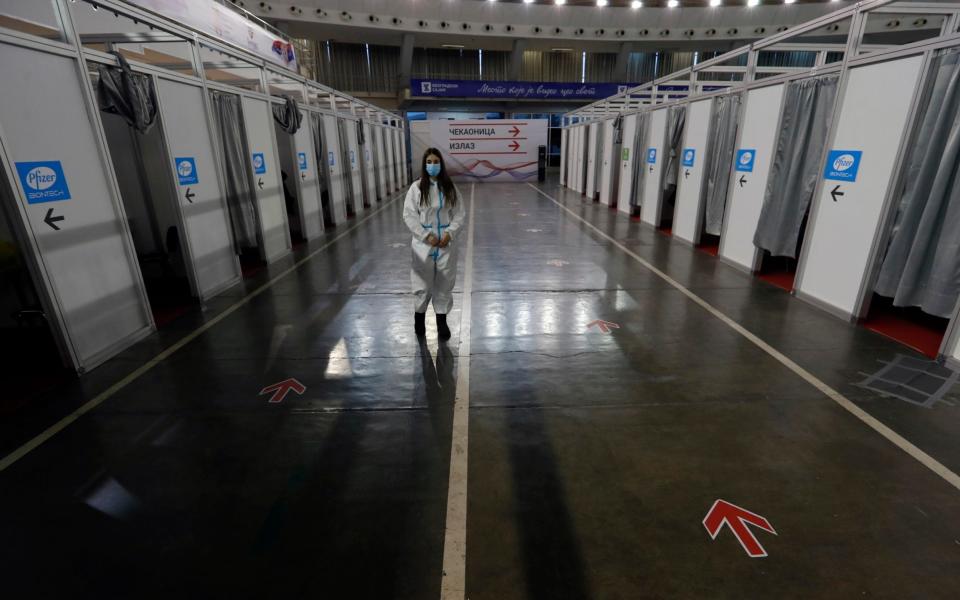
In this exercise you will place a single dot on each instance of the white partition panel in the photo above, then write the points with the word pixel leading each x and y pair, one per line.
pixel 392 184
pixel 369 172
pixel 582 159
pixel 752 160
pixel 592 158
pixel 404 156
pixel 381 161
pixel 67 197
pixel 653 162
pixel 626 162
pixel 335 170
pixel 398 153
pixel 574 177
pixel 843 228
pixel 274 231
pixel 688 222
pixel 563 157
pixel 608 164
pixel 208 239
pixel 307 179
pixel 353 156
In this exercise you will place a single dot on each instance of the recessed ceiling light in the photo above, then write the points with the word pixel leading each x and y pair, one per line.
pixel 753 2
pixel 453 46
pixel 560 2
pixel 673 3
pixel 636 4
pixel 719 2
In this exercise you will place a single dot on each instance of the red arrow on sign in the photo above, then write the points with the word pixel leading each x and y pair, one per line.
pixel 515 131
pixel 280 390
pixel 737 519
pixel 604 326
pixel 515 145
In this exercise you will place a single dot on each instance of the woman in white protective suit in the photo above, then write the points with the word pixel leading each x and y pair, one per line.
pixel 434 213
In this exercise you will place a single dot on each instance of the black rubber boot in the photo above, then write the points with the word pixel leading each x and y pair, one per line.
pixel 419 324
pixel 443 332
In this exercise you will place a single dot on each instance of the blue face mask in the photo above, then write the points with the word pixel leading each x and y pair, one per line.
pixel 433 170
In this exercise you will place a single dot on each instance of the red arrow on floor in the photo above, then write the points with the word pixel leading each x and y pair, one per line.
pixel 604 326
pixel 281 389
pixel 737 519
pixel 515 131
pixel 515 145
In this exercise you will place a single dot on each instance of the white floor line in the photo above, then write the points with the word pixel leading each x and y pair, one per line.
pixel 454 583
pixel 892 436
pixel 65 422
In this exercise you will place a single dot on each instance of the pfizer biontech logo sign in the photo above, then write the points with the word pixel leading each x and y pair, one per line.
pixel 843 165
pixel 43 181
pixel 187 170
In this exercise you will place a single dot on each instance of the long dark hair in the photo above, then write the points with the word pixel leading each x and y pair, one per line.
pixel 443 180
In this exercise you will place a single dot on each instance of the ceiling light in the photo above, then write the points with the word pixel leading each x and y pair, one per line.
pixel 452 46
pixel 789 1
pixel 562 49
pixel 753 2
pixel 673 3
pixel 717 2
pixel 528 1
pixel 560 2
pixel 602 3
pixel 636 4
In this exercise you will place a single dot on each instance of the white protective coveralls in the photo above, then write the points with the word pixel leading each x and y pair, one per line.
pixel 434 271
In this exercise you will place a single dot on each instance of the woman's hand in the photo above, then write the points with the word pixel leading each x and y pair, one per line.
pixel 433 241
pixel 445 241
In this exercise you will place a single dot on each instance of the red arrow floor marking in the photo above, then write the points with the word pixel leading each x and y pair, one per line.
pixel 515 131
pixel 514 145
pixel 281 389
pixel 604 326
pixel 737 519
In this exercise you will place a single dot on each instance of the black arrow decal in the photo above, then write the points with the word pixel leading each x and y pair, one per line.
pixel 651 168
pixel 52 220
pixel 836 192
pixel 303 175
pixel 743 180
pixel 686 174
pixel 190 196
pixel 260 182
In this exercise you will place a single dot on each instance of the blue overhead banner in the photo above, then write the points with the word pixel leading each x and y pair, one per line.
pixel 453 88
pixel 460 88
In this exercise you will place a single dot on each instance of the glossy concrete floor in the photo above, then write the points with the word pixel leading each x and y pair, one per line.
pixel 593 457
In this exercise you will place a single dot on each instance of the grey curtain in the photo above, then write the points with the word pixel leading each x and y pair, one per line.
pixel 719 156
pixel 320 153
pixel 639 156
pixel 922 263
pixel 676 118
pixel 287 115
pixel 131 95
pixel 806 116
pixel 345 161
pixel 238 177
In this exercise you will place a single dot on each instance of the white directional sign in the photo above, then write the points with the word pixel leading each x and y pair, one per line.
pixel 484 150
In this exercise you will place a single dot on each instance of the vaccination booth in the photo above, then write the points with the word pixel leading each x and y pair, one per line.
pixel 782 158
pixel 151 167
